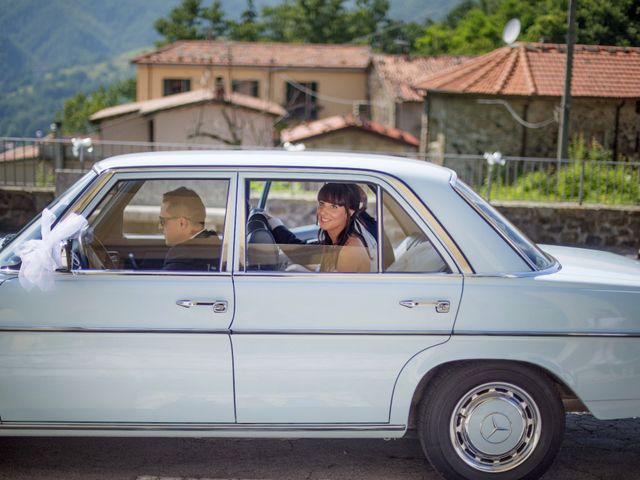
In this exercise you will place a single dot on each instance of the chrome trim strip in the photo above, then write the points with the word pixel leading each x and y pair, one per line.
pixel 113 330
pixel 143 273
pixel 343 275
pixel 225 331
pixel 220 427
pixel 555 267
pixel 462 333
pixel 379 231
pixel 439 333
pixel 547 334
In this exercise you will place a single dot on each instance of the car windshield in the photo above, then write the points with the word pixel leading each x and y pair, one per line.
pixel 515 237
pixel 32 230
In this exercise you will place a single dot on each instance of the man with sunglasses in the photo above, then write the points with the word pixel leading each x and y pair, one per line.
pixel 182 221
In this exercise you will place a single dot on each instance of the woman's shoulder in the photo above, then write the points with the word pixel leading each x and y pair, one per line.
pixel 354 241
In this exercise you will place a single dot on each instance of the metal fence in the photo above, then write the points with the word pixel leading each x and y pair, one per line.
pixel 28 162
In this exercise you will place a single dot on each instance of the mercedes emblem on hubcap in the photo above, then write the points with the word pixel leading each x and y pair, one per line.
pixel 496 428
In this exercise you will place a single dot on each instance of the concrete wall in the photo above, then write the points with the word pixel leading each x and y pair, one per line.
pixel 128 128
pixel 466 126
pixel 199 124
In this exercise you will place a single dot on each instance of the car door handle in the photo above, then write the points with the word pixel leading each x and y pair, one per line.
pixel 219 306
pixel 442 306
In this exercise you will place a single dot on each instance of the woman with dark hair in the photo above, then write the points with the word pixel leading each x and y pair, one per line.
pixel 340 206
pixel 348 244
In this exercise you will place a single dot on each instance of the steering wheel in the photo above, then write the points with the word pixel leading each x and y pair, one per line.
pixel 92 253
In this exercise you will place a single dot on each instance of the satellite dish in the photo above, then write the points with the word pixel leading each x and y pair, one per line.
pixel 511 31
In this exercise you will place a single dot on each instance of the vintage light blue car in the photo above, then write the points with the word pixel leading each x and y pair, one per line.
pixel 459 326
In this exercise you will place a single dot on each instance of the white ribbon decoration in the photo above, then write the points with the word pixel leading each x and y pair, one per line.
pixel 40 258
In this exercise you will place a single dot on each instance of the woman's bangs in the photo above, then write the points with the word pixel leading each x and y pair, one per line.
pixel 333 193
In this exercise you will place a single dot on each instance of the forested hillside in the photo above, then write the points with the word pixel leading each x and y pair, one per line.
pixel 51 50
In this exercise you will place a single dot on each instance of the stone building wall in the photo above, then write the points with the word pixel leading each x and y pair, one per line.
pixel 382 102
pixel 469 127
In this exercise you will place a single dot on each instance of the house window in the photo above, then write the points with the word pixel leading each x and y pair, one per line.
pixel 246 87
pixel 172 86
pixel 302 101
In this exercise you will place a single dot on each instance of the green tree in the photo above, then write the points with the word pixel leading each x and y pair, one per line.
pixel 248 29
pixel 475 26
pixel 215 25
pixel 76 110
pixel 367 18
pixel 183 23
pixel 282 22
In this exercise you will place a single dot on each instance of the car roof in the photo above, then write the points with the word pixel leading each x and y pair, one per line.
pixel 396 166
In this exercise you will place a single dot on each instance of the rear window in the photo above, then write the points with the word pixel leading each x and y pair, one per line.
pixel 525 247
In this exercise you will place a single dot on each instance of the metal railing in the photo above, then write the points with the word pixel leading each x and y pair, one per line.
pixel 550 180
pixel 29 162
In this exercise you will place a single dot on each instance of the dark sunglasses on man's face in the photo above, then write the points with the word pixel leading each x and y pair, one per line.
pixel 163 220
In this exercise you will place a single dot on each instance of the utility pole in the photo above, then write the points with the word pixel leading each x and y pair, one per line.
pixel 563 130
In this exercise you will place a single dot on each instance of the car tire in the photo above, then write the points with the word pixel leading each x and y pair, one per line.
pixel 491 420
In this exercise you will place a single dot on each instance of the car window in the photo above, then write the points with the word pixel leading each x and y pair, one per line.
pixel 291 228
pixel 520 242
pixel 160 224
pixel 405 246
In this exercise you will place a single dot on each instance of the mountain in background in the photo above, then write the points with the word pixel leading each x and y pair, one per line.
pixel 51 50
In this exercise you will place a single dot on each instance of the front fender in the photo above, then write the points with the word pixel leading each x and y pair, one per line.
pixel 603 372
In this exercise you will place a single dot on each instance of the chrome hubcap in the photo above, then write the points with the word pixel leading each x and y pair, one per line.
pixel 495 427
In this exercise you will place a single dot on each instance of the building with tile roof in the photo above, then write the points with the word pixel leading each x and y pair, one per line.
pixel 199 117
pixel 508 99
pixel 395 100
pixel 310 80
pixel 353 133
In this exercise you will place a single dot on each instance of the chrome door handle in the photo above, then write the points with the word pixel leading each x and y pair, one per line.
pixel 219 306
pixel 442 306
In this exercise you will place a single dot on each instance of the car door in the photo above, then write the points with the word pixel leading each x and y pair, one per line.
pixel 326 348
pixel 126 343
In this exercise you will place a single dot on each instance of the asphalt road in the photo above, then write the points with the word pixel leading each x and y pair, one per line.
pixel 592 450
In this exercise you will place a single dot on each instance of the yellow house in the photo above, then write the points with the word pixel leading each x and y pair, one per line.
pixel 310 81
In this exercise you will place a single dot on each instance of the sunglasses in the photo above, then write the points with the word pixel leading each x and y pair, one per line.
pixel 163 220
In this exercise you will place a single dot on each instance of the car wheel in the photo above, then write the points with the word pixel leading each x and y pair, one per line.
pixel 492 420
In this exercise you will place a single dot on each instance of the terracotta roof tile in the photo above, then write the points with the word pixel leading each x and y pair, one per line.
pixel 339 122
pixel 23 152
pixel 400 72
pixel 538 69
pixel 257 54
pixel 188 98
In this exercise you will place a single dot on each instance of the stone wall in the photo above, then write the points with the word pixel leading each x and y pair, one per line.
pixel 611 228
pixel 467 126
pixel 18 207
